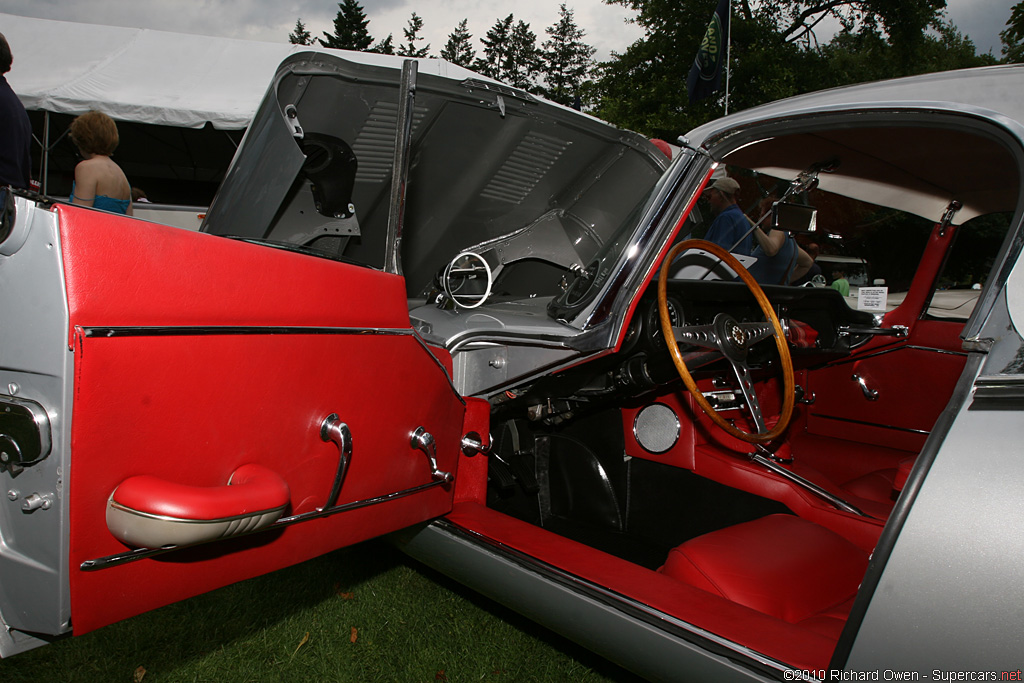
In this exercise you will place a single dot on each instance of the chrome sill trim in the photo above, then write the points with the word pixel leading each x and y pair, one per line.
pixel 197 331
pixel 637 609
pixel 144 553
pixel 871 424
pixel 998 393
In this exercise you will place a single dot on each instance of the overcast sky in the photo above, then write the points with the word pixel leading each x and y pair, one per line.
pixel 272 20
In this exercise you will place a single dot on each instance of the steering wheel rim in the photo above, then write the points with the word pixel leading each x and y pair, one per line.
pixel 739 367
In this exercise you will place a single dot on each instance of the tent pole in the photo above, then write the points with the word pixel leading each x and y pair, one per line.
pixel 44 163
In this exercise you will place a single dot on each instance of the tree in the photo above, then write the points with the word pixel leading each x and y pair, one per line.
pixel 350 32
pixel 459 48
pixel 413 37
pixel 1013 36
pixel 522 59
pixel 384 47
pixel 300 36
pixel 774 52
pixel 568 61
pixel 496 45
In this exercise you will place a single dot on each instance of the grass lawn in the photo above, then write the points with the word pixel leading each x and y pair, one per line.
pixel 366 613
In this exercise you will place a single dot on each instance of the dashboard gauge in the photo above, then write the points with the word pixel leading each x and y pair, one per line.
pixel 675 315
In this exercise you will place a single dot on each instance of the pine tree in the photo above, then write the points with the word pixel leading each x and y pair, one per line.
pixel 496 44
pixel 384 47
pixel 568 61
pixel 459 48
pixel 350 31
pixel 522 60
pixel 300 36
pixel 412 36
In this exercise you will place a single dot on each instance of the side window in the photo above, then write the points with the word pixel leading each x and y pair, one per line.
pixel 968 265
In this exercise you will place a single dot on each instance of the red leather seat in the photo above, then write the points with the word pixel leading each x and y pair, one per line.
pixel 882 486
pixel 781 565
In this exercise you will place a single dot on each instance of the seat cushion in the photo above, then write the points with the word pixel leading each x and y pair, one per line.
pixel 876 486
pixel 780 565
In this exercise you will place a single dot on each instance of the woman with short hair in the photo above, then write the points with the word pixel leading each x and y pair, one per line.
pixel 99 182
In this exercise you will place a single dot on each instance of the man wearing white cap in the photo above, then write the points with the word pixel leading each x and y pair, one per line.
pixel 730 225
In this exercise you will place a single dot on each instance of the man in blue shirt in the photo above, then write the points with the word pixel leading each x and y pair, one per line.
pixel 15 129
pixel 730 225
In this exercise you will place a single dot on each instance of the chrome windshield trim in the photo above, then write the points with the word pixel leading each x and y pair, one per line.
pixel 633 607
pixel 637 260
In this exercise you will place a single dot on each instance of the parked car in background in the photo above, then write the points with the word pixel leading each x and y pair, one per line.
pixel 444 309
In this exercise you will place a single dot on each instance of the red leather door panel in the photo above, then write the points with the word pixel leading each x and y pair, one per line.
pixel 905 387
pixel 196 356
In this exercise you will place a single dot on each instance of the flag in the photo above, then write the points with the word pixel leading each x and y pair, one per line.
pixel 706 73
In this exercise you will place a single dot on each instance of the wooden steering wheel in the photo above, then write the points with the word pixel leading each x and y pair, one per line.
pixel 733 339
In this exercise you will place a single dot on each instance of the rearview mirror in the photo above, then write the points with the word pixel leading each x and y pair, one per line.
pixel 794 218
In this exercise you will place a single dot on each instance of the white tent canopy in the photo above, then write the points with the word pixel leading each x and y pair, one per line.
pixel 153 80
pixel 155 77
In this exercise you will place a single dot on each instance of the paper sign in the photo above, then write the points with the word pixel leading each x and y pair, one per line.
pixel 872 298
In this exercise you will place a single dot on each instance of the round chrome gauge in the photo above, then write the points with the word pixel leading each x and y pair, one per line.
pixel 468 280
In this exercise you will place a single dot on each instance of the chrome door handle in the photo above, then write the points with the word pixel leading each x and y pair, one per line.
pixel 869 393
pixel 423 440
pixel 334 430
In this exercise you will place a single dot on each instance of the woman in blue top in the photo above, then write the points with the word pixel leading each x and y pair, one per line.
pixel 99 182
pixel 780 260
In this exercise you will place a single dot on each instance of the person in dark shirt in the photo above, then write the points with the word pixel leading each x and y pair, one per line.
pixel 730 225
pixel 15 129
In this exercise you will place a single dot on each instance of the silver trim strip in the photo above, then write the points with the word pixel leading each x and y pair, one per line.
pixel 212 330
pixel 808 485
pixel 871 424
pixel 200 331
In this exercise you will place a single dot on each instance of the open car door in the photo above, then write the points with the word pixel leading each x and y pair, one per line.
pixel 183 411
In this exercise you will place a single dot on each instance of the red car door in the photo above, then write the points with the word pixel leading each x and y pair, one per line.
pixel 891 390
pixel 250 406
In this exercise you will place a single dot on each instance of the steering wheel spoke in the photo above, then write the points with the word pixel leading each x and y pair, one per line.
pixel 732 339
pixel 756 332
pixel 749 395
pixel 703 336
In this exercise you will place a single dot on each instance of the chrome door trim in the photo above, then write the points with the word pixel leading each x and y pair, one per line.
pixel 872 424
pixel 256 330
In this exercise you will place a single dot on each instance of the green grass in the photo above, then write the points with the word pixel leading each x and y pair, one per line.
pixel 410 624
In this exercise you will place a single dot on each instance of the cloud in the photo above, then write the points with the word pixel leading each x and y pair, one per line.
pixel 272 20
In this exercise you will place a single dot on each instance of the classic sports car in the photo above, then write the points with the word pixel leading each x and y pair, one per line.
pixel 447 309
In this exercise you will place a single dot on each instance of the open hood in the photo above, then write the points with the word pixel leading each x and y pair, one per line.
pixel 486 164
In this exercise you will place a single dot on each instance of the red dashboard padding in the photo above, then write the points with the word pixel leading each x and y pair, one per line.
pixel 780 565
pixel 151 512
